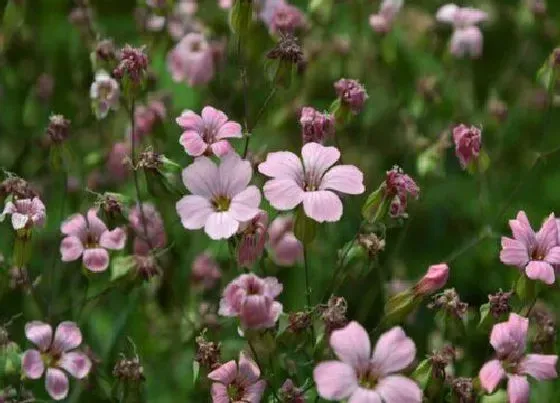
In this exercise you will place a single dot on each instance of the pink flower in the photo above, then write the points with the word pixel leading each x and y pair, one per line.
pixel 104 93
pixel 133 63
pixel 116 161
pixel 54 355
pixel 314 183
pixel 253 238
pixel 205 271
pixel 361 376
pixel 399 186
pixel 467 143
pixel 237 382
pixel 351 93
pixel 89 237
pixel 467 37
pixel 433 280
pixel 290 393
pixel 508 339
pixel 207 134
pixel 383 21
pixel 534 253
pixel 152 234
pixel 251 298
pixel 286 19
pixel 225 4
pixel 147 116
pixel 221 198
pixel 191 60
pixel 315 126
pixel 26 213
pixel 286 248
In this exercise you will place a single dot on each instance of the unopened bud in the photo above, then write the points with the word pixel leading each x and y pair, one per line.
pixel 352 94
pixel 433 280
pixel 316 127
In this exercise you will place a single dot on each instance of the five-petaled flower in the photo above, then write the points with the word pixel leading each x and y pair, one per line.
pixel 54 355
pixel 26 213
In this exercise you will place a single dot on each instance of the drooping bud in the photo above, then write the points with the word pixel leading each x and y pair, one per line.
pixel 433 280
pixel 351 96
pixel 252 240
pixel 316 127
pixel 288 57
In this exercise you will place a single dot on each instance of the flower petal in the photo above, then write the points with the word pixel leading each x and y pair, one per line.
pixel 221 148
pixel 96 259
pixel 514 252
pixel 76 363
pixel 282 165
pixel 253 393
pixel 94 225
pixel 397 388
pixel 490 375
pixel 56 383
pixel 19 220
pixel 322 205
pixel 335 380
pixel 547 237
pixel 221 225
pixel 228 130
pixel 539 366
pixel 189 120
pixel 447 13
pixel 67 336
pixel 317 159
pixel 518 389
pixel 74 225
pixel 249 371
pixel 202 177
pixel 39 333
pixel 344 178
pixel 225 373
pixel 472 16
pixel 351 345
pixel 540 270
pixel 213 117
pixel 115 239
pixel 32 364
pixel 193 143
pixel 393 351
pixel 283 194
pixel 219 393
pixel 194 211
pixel 522 231
pixel 245 205
pixel 362 395
pixel 235 174
pixel 553 255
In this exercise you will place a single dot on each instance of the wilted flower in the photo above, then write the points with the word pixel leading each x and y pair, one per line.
pixel 299 321
pixel 90 238
pixel 104 94
pixel 133 64
pixel 467 143
pixel 433 280
pixel 399 186
pixel 463 390
pixel 117 161
pixel 334 314
pixel 286 248
pixel 363 376
pixel 371 243
pixel 508 339
pixel 207 352
pixel 253 238
pixel 499 303
pixel 286 19
pixel 467 37
pixel 535 254
pixel 191 60
pixel 221 198
pixel 105 50
pixel 54 355
pixel 382 21
pixel 237 382
pixel 252 299
pixel 315 126
pixel 287 50
pixel 449 302
pixel 205 271
pixel 17 187
pixel 351 94
pixel 289 393
pixel 148 227
pixel 129 369
pixel 208 133
pixel 26 213
pixel 314 183
pixel 58 129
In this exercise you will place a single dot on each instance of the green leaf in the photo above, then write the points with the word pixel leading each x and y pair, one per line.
pixel 121 266
pixel 422 373
pixel 525 289
pixel 499 397
pixel 196 371
pixel 13 19
pixel 305 228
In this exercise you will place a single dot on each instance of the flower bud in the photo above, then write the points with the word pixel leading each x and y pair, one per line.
pixel 132 68
pixel 467 143
pixel 240 16
pixel 352 94
pixel 433 280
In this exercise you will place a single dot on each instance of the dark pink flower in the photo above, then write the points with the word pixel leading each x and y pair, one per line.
pixel 208 133
pixel 26 213
pixel 54 355
pixel 536 254
pixel 312 183
pixel 149 235
pixel 315 126
pixel 509 339
pixel 205 271
pixel 133 63
pixel 253 239
pixel 399 186
pixel 89 238
pixel 191 60
pixel 286 248
pixel 433 280
pixel 366 377
pixel 237 382
pixel 351 93
pixel 468 141
pixel 252 299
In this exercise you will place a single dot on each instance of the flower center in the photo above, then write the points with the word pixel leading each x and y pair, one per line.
pixel 234 392
pixel 91 242
pixel 221 203
pixel 368 379
pixel 537 254
pixel 50 360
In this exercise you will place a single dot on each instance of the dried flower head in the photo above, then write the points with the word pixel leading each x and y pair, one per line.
pixel 398 187
pixel 207 353
pixel 463 390
pixel 440 360
pixel 334 313
pixel 58 129
pixel 133 64
pixel 150 160
pixel 105 50
pixel 499 303
pixel 449 301
pixel 371 243
pixel 289 393
pixel 299 321
pixel 129 369
pixel 287 49
pixel 17 187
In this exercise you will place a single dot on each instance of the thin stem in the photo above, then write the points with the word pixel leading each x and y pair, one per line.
pixel 259 364
pixel 257 118
pixel 308 293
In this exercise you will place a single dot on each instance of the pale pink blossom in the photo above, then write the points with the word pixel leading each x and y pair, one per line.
pixel 511 362
pixel 535 254
pixel 221 197
pixel 252 241
pixel 312 183
pixel 286 18
pixel 467 38
pixel 366 377
pixel 383 20
pixel 433 280
pixel 468 141
pixel 147 116
pixel 26 213
pixel 88 237
pixel 316 126
pixel 56 357
pixel 205 271
pixel 237 382
pixel 149 234
pixel 208 132
pixel 191 60
pixel 252 299
pixel 117 161
pixel 285 247
pixel 104 93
